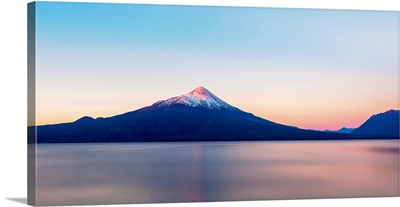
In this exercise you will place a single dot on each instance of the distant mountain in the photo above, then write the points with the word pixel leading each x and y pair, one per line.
pixel 383 124
pixel 195 116
pixel 342 130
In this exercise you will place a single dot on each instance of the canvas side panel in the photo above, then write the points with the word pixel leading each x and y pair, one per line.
pixel 32 103
pixel 398 95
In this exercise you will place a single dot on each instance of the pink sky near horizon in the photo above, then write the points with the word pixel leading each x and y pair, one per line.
pixel 305 116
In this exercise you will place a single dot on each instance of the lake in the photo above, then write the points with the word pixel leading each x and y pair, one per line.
pixel 118 173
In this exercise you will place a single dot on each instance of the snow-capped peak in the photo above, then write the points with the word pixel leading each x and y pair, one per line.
pixel 199 97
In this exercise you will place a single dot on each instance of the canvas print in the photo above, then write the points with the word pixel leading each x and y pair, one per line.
pixel 134 103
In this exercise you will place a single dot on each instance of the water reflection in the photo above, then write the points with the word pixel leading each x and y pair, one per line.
pixel 71 174
pixel 385 149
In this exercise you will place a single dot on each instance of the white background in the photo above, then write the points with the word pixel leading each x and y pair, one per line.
pixel 13 102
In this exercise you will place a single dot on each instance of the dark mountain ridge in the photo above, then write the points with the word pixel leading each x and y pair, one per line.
pixel 382 124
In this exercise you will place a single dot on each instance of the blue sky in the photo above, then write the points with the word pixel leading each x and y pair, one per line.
pixel 309 68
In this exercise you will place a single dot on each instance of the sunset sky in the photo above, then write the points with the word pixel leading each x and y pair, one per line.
pixel 315 69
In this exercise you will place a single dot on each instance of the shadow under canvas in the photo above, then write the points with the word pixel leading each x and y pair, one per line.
pixel 19 200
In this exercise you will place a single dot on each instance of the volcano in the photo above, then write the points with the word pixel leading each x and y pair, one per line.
pixel 196 116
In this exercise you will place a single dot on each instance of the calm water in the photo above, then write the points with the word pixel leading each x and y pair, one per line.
pixel 215 171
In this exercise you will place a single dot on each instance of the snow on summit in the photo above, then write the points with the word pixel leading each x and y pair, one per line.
pixel 199 97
